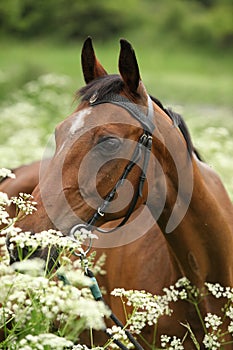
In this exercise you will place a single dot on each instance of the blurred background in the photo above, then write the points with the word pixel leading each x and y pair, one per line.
pixel 184 49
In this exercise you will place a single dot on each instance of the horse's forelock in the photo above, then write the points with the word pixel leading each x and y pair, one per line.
pixel 102 86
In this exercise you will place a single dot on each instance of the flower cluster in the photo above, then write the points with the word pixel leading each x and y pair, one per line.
pixel 43 341
pixel 219 291
pixel 171 343
pixel 24 204
pixel 211 342
pixel 212 321
pixel 147 308
pixel 33 303
pixel 4 200
pixel 4 203
pixel 6 173
pixel 118 333
pixel 33 105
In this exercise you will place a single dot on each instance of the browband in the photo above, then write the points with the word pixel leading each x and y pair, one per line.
pixel 146 120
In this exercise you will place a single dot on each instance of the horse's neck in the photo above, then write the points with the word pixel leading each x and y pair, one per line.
pixel 203 241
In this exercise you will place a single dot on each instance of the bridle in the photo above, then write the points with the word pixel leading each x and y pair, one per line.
pixel 144 145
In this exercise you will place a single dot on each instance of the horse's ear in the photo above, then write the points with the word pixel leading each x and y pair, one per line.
pixel 91 67
pixel 128 66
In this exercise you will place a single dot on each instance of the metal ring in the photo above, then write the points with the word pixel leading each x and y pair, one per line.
pixel 100 212
pixel 75 228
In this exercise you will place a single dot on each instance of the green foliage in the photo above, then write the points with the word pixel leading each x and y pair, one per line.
pixel 73 19
pixel 195 22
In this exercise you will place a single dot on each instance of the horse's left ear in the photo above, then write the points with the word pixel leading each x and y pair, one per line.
pixel 91 67
pixel 128 66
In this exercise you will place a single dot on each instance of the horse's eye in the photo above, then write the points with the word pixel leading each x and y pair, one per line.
pixel 109 145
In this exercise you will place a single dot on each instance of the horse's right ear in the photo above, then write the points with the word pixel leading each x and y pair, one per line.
pixel 91 67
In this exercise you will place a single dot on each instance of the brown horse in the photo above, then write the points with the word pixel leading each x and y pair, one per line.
pixel 118 154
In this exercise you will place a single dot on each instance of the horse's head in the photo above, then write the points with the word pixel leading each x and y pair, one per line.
pixel 102 169
pixel 97 173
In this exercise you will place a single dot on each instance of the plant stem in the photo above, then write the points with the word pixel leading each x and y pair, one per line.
pixel 200 316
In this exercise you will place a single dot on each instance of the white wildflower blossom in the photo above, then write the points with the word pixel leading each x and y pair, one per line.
pixel 171 343
pixel 211 342
pixel 98 268
pixel 4 200
pixel 172 294
pixel 118 292
pixel 24 203
pixel 5 269
pixel 176 344
pixel 147 307
pixel 229 312
pixel 230 328
pixel 54 301
pixel 215 289
pixel 4 217
pixel 212 321
pixel 117 333
pixel 52 79
pixel 165 339
pixel 44 340
pixel 34 267
pixel 84 347
pixel 84 234
pixel 75 277
pixel 6 173
pixel 41 240
pixel 228 293
pixel 182 282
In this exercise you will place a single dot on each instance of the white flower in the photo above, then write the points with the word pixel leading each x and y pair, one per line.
pixel 211 342
pixel 4 200
pixel 43 341
pixel 84 347
pixel 165 339
pixel 215 289
pixel 6 173
pixel 33 267
pixel 212 321
pixel 171 343
pixel 229 312
pixel 24 203
pixel 4 217
pixel 228 293
pixel 230 328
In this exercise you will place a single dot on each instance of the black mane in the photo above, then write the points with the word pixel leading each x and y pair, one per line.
pixel 114 84
pixel 104 85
